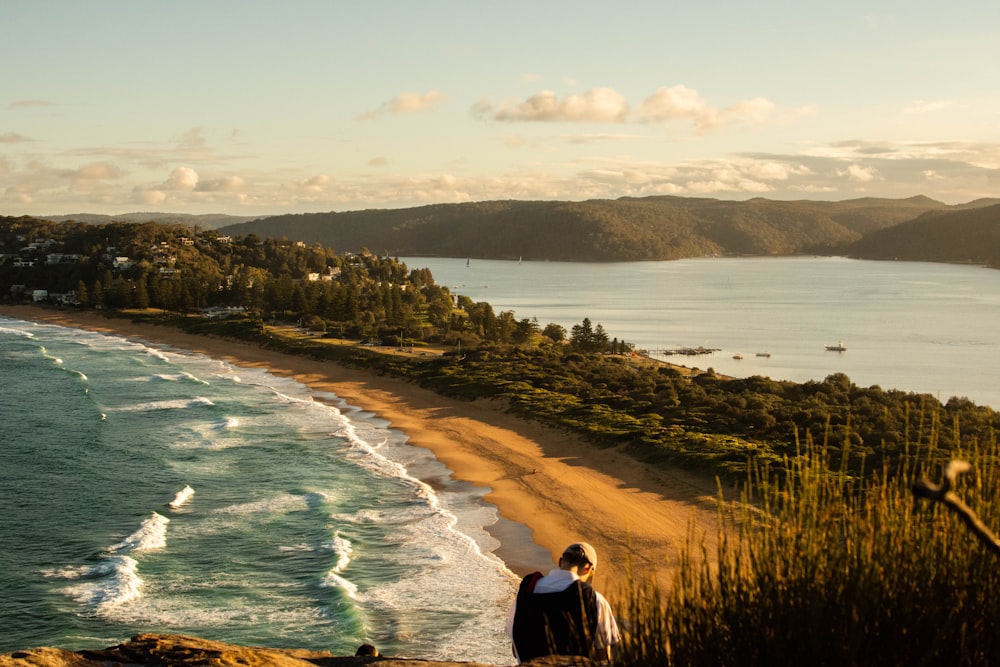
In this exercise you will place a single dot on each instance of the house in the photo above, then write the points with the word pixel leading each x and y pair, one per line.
pixel 219 312
pixel 61 258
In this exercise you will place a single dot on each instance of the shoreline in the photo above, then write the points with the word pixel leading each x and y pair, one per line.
pixel 550 488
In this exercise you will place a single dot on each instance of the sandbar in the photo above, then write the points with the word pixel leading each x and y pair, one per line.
pixel 549 487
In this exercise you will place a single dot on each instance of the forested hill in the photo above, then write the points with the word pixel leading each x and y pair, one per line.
pixel 194 221
pixel 971 236
pixel 626 229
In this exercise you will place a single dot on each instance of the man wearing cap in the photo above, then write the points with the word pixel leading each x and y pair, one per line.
pixel 561 613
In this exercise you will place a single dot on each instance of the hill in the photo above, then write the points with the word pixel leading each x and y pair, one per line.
pixel 204 221
pixel 625 229
pixel 963 236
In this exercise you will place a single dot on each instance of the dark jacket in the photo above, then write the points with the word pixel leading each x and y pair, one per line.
pixel 562 623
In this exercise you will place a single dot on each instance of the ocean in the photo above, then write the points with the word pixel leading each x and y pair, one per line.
pixel 149 489
pixel 912 326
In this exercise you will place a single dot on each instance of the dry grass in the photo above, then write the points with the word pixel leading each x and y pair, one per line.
pixel 832 571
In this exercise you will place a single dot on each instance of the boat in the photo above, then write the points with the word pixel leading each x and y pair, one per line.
pixel 839 347
pixel 763 354
pixel 737 356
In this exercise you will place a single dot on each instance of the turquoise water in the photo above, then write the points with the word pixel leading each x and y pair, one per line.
pixel 929 328
pixel 296 520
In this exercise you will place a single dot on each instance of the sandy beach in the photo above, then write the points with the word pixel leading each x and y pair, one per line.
pixel 557 486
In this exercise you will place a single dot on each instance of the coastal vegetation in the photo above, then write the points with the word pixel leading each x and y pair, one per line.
pixel 828 559
pixel 824 569
pixel 584 380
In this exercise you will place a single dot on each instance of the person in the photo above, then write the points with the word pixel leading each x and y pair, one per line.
pixel 366 649
pixel 561 613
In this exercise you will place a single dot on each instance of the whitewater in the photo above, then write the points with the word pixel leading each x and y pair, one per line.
pixel 149 489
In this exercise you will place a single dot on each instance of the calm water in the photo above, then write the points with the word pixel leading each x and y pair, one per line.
pixel 297 522
pixel 921 327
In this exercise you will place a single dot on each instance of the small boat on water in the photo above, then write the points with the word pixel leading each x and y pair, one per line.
pixel 839 347
pixel 737 356
pixel 763 354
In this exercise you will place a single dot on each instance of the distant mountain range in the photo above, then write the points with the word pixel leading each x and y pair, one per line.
pixel 634 229
pixel 953 235
pixel 628 229
pixel 205 221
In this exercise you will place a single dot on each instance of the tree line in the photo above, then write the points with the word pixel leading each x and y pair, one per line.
pixel 174 268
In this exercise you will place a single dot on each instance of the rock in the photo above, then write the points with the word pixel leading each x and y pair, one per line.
pixel 156 650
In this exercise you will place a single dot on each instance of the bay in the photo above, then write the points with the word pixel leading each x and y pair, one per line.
pixel 912 326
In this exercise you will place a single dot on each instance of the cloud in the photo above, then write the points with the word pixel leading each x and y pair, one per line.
pixel 859 174
pixel 30 103
pixel 192 140
pixel 181 178
pixel 924 106
pixel 682 103
pixel 223 184
pixel 593 138
pixel 405 103
pixel 599 105
pixel 606 105
pixel 13 138
pixel 96 171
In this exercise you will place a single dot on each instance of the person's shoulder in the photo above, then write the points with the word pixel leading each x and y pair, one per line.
pixel 529 581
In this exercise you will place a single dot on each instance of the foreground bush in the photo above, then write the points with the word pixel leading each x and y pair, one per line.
pixel 821 569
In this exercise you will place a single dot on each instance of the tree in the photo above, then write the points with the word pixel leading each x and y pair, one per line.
pixel 141 293
pixel 81 294
pixel 555 332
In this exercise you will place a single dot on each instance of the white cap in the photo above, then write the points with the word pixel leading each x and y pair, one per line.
pixel 583 549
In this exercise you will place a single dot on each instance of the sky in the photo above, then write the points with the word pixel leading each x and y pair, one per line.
pixel 263 107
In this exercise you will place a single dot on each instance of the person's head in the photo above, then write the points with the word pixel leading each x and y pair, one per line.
pixel 581 558
pixel 367 649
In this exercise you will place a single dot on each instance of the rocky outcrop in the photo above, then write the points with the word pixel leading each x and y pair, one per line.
pixel 156 650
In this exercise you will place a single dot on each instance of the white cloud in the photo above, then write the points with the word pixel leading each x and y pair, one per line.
pixel 405 103
pixel 682 103
pixel 606 105
pixel 924 106
pixel 181 178
pixel 776 171
pixel 599 105
pixel 859 174
pixel 675 102
pixel 149 197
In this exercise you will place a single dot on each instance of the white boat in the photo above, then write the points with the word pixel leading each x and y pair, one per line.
pixel 839 347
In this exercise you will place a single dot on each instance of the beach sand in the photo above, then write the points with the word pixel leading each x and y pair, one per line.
pixel 550 488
